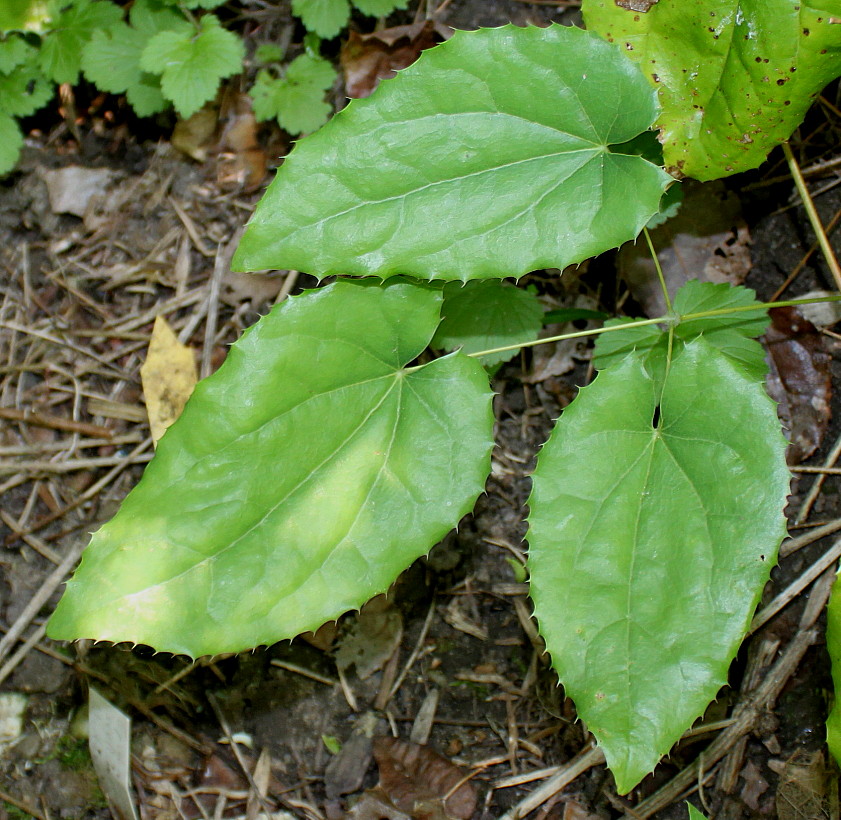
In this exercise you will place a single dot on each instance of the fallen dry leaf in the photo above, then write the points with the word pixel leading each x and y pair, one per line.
pixel 368 58
pixel 799 380
pixel 418 781
pixel 168 376
pixel 804 789
pixel 707 240
pixel 374 636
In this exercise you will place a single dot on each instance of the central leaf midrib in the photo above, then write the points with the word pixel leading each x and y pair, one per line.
pixel 450 180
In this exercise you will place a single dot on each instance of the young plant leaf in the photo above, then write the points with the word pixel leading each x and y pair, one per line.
pixel 735 76
pixel 297 98
pixel 356 466
pixel 25 15
pixel 15 51
pixel 24 90
pixel 379 8
pixel 450 173
pixel 484 315
pixel 324 17
pixel 656 515
pixel 833 645
pixel 11 141
pixel 191 64
pixel 111 60
pixel 60 55
pixel 732 333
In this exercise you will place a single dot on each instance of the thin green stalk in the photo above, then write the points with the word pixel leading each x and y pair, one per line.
pixel 668 319
pixel 659 270
pixel 811 211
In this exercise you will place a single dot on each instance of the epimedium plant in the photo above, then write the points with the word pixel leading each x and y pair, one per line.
pixel 322 459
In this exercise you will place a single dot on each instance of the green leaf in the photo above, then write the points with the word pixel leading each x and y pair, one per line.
pixel 61 49
pixel 732 333
pixel 111 60
pixel 379 8
pixel 299 481
pixel 24 90
pixel 645 563
pixel 25 15
pixel 192 65
pixel 694 814
pixel 15 51
pixel 325 17
pixel 735 76
pixel 11 141
pixel 484 315
pixel 268 53
pixel 833 645
pixel 448 173
pixel 297 98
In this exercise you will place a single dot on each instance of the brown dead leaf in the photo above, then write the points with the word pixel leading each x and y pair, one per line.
pixel 799 380
pixel 374 636
pixel 707 240
pixel 804 789
pixel 228 129
pixel 168 376
pixel 368 58
pixel 417 781
pixel 196 136
pixel 244 162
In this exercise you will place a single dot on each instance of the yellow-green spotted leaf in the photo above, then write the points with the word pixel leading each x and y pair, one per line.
pixel 735 77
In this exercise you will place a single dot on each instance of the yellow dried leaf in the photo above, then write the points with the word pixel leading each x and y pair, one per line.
pixel 168 375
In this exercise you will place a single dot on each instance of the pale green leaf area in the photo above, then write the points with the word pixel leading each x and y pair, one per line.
pixel 694 814
pixel 379 8
pixel 268 53
pixel 25 15
pixel 111 60
pixel 15 51
pixel 60 55
pixel 11 141
pixel 489 157
pixel 732 334
pixel 299 481
pixel 24 90
pixel 191 65
pixel 325 17
pixel 656 515
pixel 484 315
pixel 735 76
pixel 296 99
pixel 833 645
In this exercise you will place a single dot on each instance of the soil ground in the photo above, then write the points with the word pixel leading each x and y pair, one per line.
pixel 465 673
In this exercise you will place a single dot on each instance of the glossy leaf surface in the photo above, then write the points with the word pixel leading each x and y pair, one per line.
pixel 297 483
pixel 484 315
pixel 656 515
pixel 487 158
pixel 735 76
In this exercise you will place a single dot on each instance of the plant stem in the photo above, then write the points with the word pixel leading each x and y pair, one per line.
pixel 806 197
pixel 668 319
pixel 659 270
